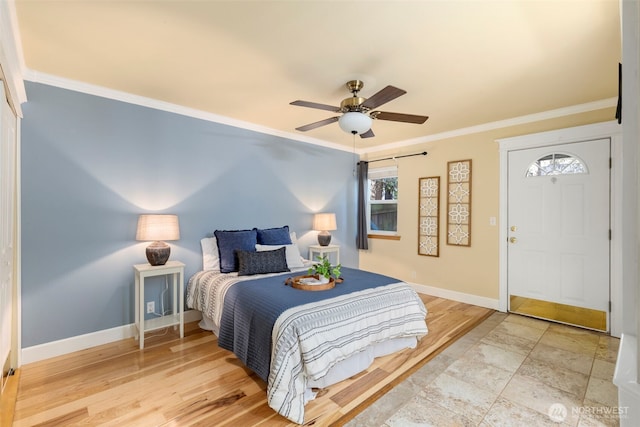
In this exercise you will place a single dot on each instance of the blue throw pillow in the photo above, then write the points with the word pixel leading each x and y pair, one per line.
pixel 262 262
pixel 274 236
pixel 230 241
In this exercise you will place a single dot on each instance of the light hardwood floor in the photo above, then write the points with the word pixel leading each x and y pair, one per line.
pixel 191 381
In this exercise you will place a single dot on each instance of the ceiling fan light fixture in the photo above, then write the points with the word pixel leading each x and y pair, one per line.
pixel 355 122
pixel 357 111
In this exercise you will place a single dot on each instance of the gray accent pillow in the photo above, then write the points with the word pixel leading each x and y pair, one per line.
pixel 250 263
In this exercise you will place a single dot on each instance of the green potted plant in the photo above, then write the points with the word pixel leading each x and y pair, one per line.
pixel 324 270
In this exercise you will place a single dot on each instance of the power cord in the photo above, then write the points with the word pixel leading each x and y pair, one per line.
pixel 163 312
pixel 166 329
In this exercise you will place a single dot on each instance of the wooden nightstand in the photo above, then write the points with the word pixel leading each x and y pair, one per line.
pixel 320 251
pixel 141 272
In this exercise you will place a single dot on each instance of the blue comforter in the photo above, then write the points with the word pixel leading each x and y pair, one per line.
pixel 252 307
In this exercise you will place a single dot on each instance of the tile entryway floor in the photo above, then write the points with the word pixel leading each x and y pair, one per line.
pixel 510 370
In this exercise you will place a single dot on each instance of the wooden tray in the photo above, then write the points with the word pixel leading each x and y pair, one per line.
pixel 295 283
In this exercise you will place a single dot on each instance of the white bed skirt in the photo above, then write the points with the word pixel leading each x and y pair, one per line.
pixel 345 368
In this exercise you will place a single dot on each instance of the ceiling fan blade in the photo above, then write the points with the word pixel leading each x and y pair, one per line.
pixel 367 134
pixel 387 94
pixel 399 117
pixel 316 105
pixel 317 124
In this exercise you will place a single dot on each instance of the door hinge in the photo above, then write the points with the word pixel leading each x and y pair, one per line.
pixel 610 162
pixel 609 234
pixel 609 306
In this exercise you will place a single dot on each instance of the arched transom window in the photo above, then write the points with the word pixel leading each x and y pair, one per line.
pixel 556 164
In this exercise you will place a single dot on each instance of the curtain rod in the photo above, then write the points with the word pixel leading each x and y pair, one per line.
pixel 424 153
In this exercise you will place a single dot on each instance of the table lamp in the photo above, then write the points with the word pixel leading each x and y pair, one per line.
pixel 158 228
pixel 324 222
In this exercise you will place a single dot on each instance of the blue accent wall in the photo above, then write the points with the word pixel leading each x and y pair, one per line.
pixel 91 165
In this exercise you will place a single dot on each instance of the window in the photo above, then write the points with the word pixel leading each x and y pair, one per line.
pixel 382 212
pixel 556 164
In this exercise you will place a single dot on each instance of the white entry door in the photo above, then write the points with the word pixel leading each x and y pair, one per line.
pixel 558 221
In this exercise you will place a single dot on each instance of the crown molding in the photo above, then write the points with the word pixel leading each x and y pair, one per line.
pixel 11 59
pixel 77 86
pixel 515 121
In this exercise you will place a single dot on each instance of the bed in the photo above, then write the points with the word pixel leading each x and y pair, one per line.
pixel 296 340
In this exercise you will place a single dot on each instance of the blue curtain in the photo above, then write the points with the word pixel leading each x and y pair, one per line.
pixel 362 242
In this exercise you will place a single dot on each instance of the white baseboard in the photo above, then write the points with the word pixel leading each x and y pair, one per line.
pixel 457 296
pixel 48 350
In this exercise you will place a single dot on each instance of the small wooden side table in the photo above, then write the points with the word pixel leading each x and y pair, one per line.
pixel 141 272
pixel 322 250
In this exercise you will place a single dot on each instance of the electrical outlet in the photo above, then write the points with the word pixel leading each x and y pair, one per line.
pixel 151 307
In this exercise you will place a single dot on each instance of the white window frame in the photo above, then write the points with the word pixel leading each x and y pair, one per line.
pixel 554 156
pixel 379 173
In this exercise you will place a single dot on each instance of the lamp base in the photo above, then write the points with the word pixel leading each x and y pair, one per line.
pixel 158 253
pixel 324 238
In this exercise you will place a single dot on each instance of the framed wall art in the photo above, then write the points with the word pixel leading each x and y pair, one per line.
pixel 459 203
pixel 429 216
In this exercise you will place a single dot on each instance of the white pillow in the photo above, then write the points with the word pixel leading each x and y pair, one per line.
pixel 294 238
pixel 291 251
pixel 210 255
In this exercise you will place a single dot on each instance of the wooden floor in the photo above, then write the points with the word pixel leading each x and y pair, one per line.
pixel 191 381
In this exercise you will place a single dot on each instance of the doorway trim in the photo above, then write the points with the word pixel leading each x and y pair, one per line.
pixel 611 130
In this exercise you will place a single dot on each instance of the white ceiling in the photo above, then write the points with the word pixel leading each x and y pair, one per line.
pixel 463 63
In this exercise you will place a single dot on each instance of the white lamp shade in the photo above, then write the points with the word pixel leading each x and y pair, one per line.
pixel 355 122
pixel 158 227
pixel 324 222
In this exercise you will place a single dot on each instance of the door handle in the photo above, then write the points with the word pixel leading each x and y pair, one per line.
pixel 513 240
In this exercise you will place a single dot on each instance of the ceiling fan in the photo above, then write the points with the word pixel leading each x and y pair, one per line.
pixel 357 115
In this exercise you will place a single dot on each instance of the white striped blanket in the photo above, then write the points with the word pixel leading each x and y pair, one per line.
pixel 307 340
